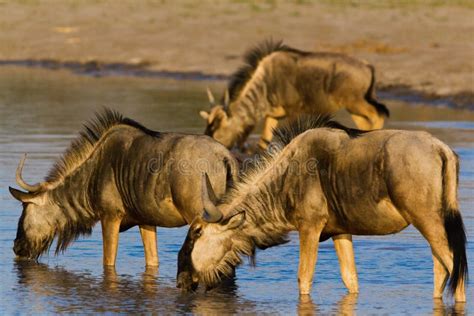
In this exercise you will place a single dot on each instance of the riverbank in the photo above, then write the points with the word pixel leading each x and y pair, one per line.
pixel 424 48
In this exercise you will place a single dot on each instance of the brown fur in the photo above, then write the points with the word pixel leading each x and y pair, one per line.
pixel 373 183
pixel 278 81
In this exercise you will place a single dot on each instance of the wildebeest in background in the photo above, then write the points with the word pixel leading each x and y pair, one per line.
pixel 278 81
pixel 329 181
pixel 122 174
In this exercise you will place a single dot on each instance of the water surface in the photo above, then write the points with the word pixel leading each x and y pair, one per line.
pixel 41 111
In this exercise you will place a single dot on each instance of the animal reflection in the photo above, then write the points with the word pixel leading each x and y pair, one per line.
pixel 63 291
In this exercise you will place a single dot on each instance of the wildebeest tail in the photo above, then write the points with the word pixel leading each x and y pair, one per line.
pixel 370 95
pixel 453 223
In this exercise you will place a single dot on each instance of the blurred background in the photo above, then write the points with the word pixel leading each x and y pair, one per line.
pixel 60 61
pixel 424 45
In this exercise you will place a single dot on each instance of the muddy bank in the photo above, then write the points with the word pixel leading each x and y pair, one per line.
pixel 461 100
pixel 100 69
pixel 424 46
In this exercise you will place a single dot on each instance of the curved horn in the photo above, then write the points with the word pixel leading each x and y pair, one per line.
pixel 211 213
pixel 211 97
pixel 226 99
pixel 21 182
pixel 20 195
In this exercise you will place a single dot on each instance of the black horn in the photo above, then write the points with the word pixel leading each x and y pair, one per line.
pixel 21 182
pixel 211 213
pixel 20 195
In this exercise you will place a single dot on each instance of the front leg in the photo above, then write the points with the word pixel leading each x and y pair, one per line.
pixel 110 238
pixel 267 133
pixel 309 243
pixel 345 254
pixel 148 234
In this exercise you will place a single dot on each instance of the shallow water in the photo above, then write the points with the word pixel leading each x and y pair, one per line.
pixel 41 111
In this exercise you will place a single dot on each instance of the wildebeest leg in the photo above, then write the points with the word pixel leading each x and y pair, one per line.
pixel 433 232
pixel 110 238
pixel 440 278
pixel 345 254
pixel 267 132
pixel 309 243
pixel 443 260
pixel 365 116
pixel 148 234
pixel 361 122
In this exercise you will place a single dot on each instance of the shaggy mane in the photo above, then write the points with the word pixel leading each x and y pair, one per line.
pixel 251 60
pixel 286 133
pixel 84 144
pixel 272 231
pixel 282 136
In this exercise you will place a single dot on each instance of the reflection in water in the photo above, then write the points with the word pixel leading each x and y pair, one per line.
pixel 64 291
pixel 306 306
pixel 345 306
pixel 441 309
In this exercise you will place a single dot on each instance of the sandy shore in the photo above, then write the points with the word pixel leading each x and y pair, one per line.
pixel 424 46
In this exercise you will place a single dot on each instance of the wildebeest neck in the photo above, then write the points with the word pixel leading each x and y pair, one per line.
pixel 262 197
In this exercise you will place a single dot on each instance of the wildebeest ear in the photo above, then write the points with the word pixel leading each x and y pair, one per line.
pixel 204 115
pixel 20 195
pixel 235 221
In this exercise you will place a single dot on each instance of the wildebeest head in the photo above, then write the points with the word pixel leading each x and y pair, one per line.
pixel 37 224
pixel 218 121
pixel 212 246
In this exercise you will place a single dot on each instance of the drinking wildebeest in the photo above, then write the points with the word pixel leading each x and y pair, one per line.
pixel 122 174
pixel 278 81
pixel 329 180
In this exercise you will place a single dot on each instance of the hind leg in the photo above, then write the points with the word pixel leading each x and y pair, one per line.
pixel 148 234
pixel 442 258
pixel 443 267
pixel 365 116
pixel 361 122
pixel 440 278
pixel 267 132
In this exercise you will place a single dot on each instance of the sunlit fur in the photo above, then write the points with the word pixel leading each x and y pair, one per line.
pixel 364 183
pixel 66 219
pixel 265 224
pixel 119 169
pixel 71 218
pixel 278 81
pixel 83 146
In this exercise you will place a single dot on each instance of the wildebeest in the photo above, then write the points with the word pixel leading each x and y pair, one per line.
pixel 278 81
pixel 329 181
pixel 122 174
